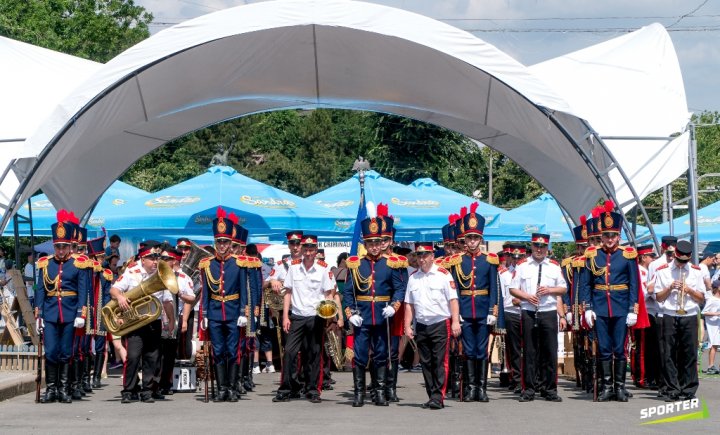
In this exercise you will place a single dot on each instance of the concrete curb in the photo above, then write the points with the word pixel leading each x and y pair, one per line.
pixel 16 384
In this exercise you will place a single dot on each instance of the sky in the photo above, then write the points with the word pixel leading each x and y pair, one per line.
pixel 532 31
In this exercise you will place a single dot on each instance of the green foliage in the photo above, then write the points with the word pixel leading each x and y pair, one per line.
pixel 93 29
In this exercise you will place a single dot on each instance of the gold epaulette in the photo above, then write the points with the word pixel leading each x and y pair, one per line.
pixel 579 261
pixel 204 263
pixel 253 262
pixel 566 261
pixel 82 261
pixel 396 263
pixel 492 258
pixel 590 252
pixel 97 267
pixel 629 252
pixel 452 260
pixel 43 262
pixel 108 275
pixel 322 263
pixel 554 262
pixel 353 262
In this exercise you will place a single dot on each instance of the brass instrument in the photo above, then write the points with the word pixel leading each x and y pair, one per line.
pixel 333 347
pixel 327 309
pixel 189 263
pixel 274 300
pixel 144 308
pixel 504 372
pixel 681 301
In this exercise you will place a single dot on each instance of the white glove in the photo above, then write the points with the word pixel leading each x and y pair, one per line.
pixel 39 324
pixel 204 324
pixel 242 321
pixel 79 322
pixel 590 317
pixel 568 317
pixel 356 320
pixel 491 320
pixel 631 319
pixel 461 319
pixel 388 312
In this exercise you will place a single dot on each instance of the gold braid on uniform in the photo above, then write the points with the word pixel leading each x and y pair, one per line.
pixel 211 280
pixel 361 283
pixel 462 278
pixel 50 284
pixel 590 254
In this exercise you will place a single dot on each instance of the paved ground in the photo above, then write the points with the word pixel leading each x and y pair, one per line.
pixel 186 413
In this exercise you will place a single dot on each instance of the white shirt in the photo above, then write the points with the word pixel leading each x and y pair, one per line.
pixel 526 279
pixel 712 305
pixel 279 271
pixel 28 271
pixel 706 275
pixel 133 276
pixel 185 287
pixel 652 267
pixel 430 294
pixel 308 287
pixel 506 278
pixel 693 279
pixel 650 303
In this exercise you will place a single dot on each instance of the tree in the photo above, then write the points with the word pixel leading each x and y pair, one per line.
pixel 93 29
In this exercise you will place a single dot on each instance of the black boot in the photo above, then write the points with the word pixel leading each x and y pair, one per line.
pixel 51 379
pixel 373 381
pixel 620 392
pixel 482 372
pixel 380 374
pixel 471 392
pixel 76 372
pixel 246 373
pixel 222 382
pixel 87 365
pixel 606 392
pixel 97 373
pixel 233 376
pixel 359 384
pixel 391 382
pixel 63 384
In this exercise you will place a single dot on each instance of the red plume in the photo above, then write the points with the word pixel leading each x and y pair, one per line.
pixel 233 218
pixel 609 206
pixel 463 212
pixel 474 206
pixel 596 212
pixel 221 213
pixel 583 220
pixel 62 216
pixel 72 218
pixel 382 209
pixel 452 219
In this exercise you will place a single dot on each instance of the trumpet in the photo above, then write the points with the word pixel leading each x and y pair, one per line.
pixel 681 299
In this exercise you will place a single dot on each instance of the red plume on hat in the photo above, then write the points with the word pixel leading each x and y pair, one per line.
pixel 596 212
pixel 72 218
pixel 463 212
pixel 609 206
pixel 474 206
pixel 382 209
pixel 62 216
pixel 583 220
pixel 453 218
pixel 221 213
pixel 233 218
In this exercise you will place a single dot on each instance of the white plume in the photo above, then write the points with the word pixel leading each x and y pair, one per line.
pixel 371 209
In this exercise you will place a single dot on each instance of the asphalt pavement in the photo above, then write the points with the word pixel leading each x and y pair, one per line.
pixel 183 413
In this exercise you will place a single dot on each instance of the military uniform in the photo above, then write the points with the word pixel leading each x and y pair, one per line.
pixel 61 291
pixel 475 276
pixel 375 284
pixel 101 283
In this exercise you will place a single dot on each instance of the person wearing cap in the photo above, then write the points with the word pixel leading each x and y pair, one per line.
pixel 679 288
pixel 431 300
pixel 100 296
pixel 308 283
pixel 644 364
pixel 481 303
pixel 169 341
pixel 225 305
pixel 279 272
pixel 609 288
pixel 187 301
pixel 142 344
pixel 373 294
pixel 61 291
pixel 511 308
pixel 711 314
pixel 79 366
pixel 538 282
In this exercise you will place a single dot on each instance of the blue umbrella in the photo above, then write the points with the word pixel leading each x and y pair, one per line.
pixel 457 200
pixel 113 201
pixel 188 209
pixel 708 224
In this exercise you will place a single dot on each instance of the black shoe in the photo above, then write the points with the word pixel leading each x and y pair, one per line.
pixel 147 398
pixel 332 381
pixel 128 398
pixel 281 397
pixel 513 386
pixel 358 386
pixel 672 398
pixel 553 398
pixel 688 397
pixel 517 390
pixel 157 395
pixel 314 398
pixel 526 397
pixel 435 404
pixel 166 392
pixel 327 387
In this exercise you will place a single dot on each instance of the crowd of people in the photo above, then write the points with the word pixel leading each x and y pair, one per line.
pixel 445 300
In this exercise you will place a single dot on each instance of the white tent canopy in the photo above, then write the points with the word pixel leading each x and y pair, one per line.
pixel 629 87
pixel 309 54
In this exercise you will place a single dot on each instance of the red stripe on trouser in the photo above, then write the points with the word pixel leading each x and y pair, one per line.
pixel 350 344
pixel 322 364
pixel 445 359
pixel 238 351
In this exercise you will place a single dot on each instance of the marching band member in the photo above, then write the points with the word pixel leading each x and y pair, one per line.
pixel 680 289
pixel 431 299
pixel 102 281
pixel 63 283
pixel 308 283
pixel 644 367
pixel 372 295
pixel 538 282
pixel 187 301
pixel 475 276
pixel 513 339
pixel 170 325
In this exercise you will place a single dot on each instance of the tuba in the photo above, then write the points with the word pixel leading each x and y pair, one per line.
pixel 144 307
pixel 333 347
pixel 189 263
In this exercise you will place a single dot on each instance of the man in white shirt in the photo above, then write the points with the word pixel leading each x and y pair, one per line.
pixel 431 299
pixel 142 344
pixel 308 283
pixel 537 283
pixel 679 288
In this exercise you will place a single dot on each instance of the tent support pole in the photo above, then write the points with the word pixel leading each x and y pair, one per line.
pixel 693 192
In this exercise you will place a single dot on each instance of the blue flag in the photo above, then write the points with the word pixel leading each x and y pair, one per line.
pixel 357 232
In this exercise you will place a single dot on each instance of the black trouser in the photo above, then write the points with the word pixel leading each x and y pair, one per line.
pixel 184 340
pixel 168 350
pixel 652 356
pixel 540 358
pixel 432 343
pixel 513 337
pixel 143 345
pixel 680 340
pixel 306 334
